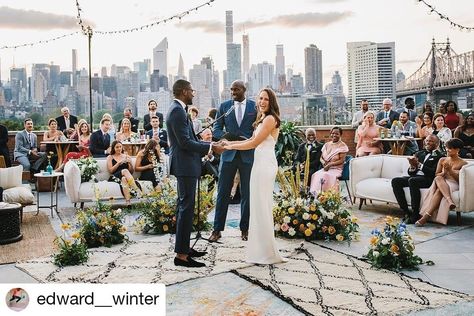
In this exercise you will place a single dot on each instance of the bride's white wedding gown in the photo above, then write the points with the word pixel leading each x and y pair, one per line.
pixel 262 246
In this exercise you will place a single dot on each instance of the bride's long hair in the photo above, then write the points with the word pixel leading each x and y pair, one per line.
pixel 274 108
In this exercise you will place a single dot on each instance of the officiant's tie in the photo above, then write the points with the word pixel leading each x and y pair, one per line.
pixel 239 113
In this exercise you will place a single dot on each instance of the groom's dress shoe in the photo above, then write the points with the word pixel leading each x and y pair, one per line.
pixel 215 236
pixel 191 263
pixel 245 235
pixel 195 253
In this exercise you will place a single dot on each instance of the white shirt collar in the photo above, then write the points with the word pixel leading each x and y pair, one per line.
pixel 182 103
pixel 244 101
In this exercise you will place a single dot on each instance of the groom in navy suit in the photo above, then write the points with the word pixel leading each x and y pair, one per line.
pixel 185 163
pixel 238 116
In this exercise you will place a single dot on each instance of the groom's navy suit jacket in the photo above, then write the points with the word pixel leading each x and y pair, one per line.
pixel 229 124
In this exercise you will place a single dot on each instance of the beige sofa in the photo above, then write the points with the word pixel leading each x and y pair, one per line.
pixel 80 192
pixel 371 176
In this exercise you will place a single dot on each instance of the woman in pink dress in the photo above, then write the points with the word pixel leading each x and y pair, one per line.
pixel 438 202
pixel 333 155
pixel 84 141
pixel 366 133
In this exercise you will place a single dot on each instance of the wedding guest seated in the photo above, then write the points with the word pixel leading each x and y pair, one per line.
pixel 67 120
pixel 127 114
pixel 52 134
pixel 333 155
pixel 440 130
pixel 125 131
pixel 427 107
pixel 386 117
pixel 438 202
pixel 148 163
pixel 26 149
pixel 159 134
pixel 310 148
pixel 83 146
pixel 452 118
pixel 366 134
pixel 121 169
pixel 420 175
pixel 112 130
pixel 465 132
pixel 197 125
pixel 100 140
pixel 4 145
pixel 405 127
pixel 424 125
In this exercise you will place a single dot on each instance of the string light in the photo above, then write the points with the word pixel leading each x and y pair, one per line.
pixel 453 24
pixel 40 42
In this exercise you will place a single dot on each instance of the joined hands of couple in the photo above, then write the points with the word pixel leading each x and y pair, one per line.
pixel 221 146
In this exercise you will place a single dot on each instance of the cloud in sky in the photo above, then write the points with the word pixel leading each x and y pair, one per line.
pixel 310 19
pixel 30 19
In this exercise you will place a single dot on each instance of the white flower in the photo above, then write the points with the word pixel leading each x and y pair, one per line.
pixel 285 204
pixel 330 215
pixel 291 231
pixel 108 228
pixel 375 253
pixel 306 216
pixel 286 219
pixel 385 241
pixel 277 227
pixel 299 201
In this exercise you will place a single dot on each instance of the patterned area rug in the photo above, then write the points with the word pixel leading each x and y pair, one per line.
pixel 322 281
pixel 146 261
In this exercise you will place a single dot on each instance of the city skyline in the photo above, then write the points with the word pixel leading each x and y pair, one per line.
pixel 290 25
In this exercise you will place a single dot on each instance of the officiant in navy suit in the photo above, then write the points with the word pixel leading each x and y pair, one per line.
pixel 185 163
pixel 239 122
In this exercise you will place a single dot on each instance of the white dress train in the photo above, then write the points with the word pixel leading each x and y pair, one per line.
pixel 262 246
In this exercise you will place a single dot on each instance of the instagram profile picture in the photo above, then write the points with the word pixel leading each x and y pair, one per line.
pixel 17 299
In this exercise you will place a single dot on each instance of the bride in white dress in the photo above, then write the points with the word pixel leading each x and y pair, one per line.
pixel 262 246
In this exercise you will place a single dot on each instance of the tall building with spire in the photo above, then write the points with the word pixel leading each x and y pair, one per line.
pixel 160 57
pixel 234 53
pixel 180 68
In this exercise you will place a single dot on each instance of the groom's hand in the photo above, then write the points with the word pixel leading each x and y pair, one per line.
pixel 217 148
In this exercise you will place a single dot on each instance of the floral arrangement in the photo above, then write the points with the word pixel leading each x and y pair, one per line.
pixel 71 252
pixel 131 185
pixel 101 226
pixel 392 247
pixel 158 209
pixel 299 214
pixel 88 167
pixel 158 167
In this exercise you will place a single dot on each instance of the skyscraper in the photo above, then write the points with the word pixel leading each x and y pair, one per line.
pixel 234 53
pixel 370 72
pixel 313 69
pixel 180 67
pixel 280 79
pixel 160 57
pixel 74 68
pixel 246 56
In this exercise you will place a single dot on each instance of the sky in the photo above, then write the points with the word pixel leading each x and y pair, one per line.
pixel 296 24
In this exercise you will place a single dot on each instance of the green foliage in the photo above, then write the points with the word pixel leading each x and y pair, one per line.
pixel 392 247
pixel 13 124
pixel 88 167
pixel 70 252
pixel 288 141
pixel 39 120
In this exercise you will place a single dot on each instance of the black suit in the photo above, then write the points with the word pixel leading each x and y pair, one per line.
pixel 416 182
pixel 163 136
pixel 3 145
pixel 62 122
pixel 147 119
pixel 185 164
pixel 314 157
pixel 134 123
pixel 99 143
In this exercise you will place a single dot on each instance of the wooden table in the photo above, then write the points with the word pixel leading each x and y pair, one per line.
pixel 62 149
pixel 133 148
pixel 10 214
pixel 54 188
pixel 397 145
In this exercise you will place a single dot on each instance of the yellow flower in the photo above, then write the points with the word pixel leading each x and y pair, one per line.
pixel 312 207
pixel 308 232
pixel 68 243
pixel 314 217
pixel 76 235
pixel 374 240
pixel 122 229
pixel 354 219
pixel 394 248
pixel 165 228
pixel 339 237
pixel 291 210
pixel 343 222
pixel 322 198
pixel 331 230
pixel 65 226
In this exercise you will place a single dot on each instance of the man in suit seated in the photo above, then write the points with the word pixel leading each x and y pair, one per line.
pixel 421 174
pixel 26 149
pixel 127 113
pixel 152 106
pixel 210 162
pixel 404 127
pixel 386 117
pixel 66 121
pixel 313 147
pixel 100 140
pixel 158 134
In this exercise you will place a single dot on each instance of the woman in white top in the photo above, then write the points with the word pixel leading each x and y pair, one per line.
pixel 439 129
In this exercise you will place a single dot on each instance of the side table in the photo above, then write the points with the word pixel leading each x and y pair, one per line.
pixel 54 189
pixel 10 223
